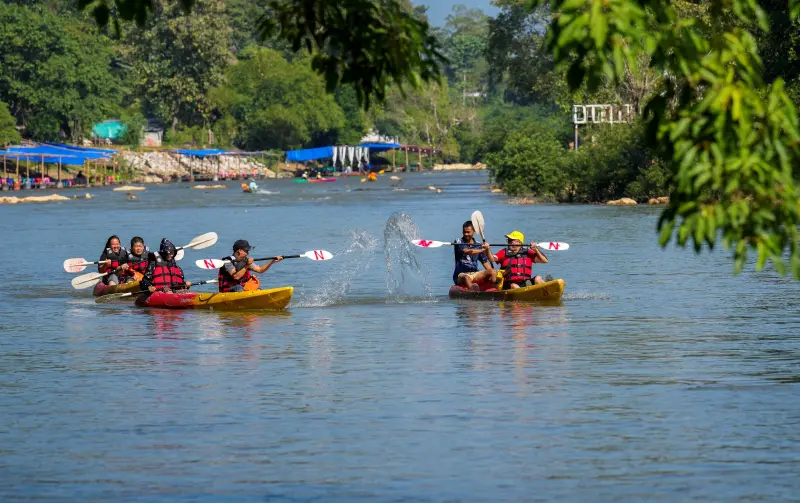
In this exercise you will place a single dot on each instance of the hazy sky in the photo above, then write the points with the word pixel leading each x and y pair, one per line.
pixel 439 9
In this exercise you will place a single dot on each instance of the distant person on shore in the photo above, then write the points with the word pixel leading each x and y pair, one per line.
pixel 163 273
pixel 517 262
pixel 467 255
pixel 348 170
pixel 113 260
pixel 236 276
pixel 137 261
pixel 319 175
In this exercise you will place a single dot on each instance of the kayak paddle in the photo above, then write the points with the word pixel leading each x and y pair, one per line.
pixel 477 222
pixel 551 245
pixel 87 280
pixel 203 241
pixel 316 255
pixel 115 296
pixel 198 243
pixel 79 264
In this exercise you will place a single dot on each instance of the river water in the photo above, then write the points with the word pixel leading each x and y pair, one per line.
pixel 661 376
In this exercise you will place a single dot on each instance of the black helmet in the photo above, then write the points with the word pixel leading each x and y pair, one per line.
pixel 166 248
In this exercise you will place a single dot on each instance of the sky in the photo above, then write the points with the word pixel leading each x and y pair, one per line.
pixel 439 9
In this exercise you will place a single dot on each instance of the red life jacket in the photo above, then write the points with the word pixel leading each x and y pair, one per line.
pixel 226 281
pixel 519 267
pixel 167 274
pixel 116 258
pixel 138 264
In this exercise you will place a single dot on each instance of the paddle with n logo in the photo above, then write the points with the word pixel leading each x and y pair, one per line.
pixel 88 280
pixel 549 245
pixel 315 255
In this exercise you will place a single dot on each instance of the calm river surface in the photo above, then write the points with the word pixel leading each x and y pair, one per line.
pixel 661 377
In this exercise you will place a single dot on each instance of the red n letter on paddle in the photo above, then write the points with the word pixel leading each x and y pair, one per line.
pixel 553 246
pixel 318 255
pixel 424 243
pixel 209 264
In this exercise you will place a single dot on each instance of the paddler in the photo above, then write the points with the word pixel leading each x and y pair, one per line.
pixel 517 262
pixel 467 254
pixel 112 261
pixel 137 261
pixel 163 273
pixel 235 276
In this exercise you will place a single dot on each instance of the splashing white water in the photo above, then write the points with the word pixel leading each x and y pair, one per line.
pixel 350 263
pixel 404 275
pixel 267 192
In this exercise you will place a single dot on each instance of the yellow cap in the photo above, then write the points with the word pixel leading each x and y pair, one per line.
pixel 516 235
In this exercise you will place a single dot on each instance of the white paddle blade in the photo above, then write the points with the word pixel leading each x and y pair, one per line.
pixel 318 255
pixel 203 241
pixel 424 243
pixel 179 255
pixel 75 264
pixel 209 263
pixel 477 222
pixel 86 280
pixel 553 246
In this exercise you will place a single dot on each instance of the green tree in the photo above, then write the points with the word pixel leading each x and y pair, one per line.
pixel 530 162
pixel 8 130
pixel 55 73
pixel 730 138
pixel 367 43
pixel 177 58
pixel 275 103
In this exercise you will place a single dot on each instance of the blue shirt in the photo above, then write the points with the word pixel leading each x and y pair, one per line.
pixel 467 263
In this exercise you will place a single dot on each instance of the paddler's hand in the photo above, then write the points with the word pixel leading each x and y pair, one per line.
pixel 124 267
pixel 151 289
pixel 188 284
pixel 249 261
pixel 485 246
pixel 278 258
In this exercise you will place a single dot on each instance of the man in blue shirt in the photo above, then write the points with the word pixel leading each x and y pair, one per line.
pixel 467 254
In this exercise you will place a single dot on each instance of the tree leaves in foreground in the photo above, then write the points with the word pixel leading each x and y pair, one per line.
pixel 367 43
pixel 731 140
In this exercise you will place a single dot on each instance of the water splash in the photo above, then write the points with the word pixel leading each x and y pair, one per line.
pixel 403 272
pixel 350 263
pixel 267 192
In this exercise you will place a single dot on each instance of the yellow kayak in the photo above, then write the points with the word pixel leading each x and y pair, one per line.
pixel 550 291
pixel 101 288
pixel 275 298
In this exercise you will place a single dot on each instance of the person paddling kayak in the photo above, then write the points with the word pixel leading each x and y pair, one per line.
pixel 236 276
pixel 113 260
pixel 467 255
pixel 137 260
pixel 163 273
pixel 517 262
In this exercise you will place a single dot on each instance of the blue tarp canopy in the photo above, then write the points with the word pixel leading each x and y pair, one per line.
pixel 208 152
pixel 309 154
pixel 51 154
pixel 106 151
pixel 380 147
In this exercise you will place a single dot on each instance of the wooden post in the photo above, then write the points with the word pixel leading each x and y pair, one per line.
pixel 393 150
pixel 59 173
pixel 408 167
pixel 4 170
pixel 419 154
